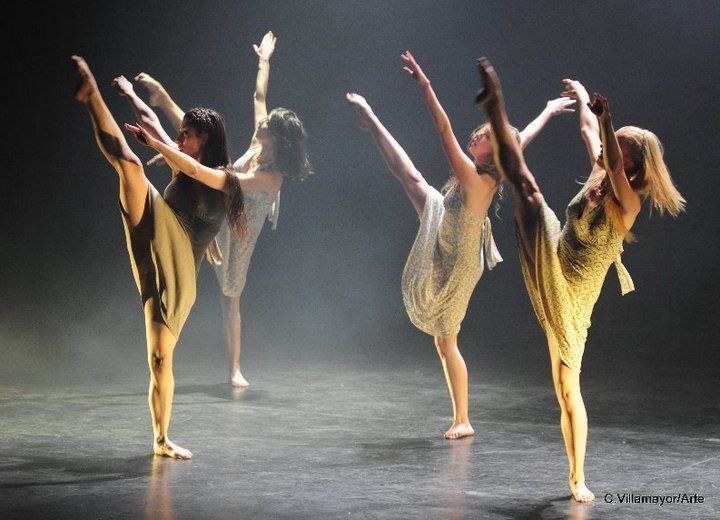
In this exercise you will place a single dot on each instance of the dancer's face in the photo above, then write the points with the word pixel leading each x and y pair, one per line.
pixel 480 145
pixel 263 135
pixel 190 142
pixel 629 164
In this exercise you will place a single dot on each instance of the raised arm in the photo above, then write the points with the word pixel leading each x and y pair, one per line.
pixel 160 98
pixel 214 178
pixel 143 113
pixel 264 52
pixel 589 128
pixel 612 159
pixel 554 107
pixel 460 163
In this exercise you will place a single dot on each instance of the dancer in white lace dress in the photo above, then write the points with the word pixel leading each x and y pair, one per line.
pixel 455 238
pixel 277 151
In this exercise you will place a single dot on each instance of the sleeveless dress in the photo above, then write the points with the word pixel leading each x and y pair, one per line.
pixel 568 271
pixel 236 253
pixel 445 263
pixel 167 246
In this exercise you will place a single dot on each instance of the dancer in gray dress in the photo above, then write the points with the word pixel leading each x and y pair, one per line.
pixel 277 151
pixel 455 237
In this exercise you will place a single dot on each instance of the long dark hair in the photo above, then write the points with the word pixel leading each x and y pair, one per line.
pixel 216 154
pixel 290 154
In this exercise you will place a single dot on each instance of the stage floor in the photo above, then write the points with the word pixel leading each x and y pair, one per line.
pixel 337 442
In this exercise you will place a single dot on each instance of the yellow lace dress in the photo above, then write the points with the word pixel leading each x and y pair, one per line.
pixel 564 270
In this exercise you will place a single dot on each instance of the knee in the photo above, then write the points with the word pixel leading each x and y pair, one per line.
pixel 444 346
pixel 568 394
pixel 160 362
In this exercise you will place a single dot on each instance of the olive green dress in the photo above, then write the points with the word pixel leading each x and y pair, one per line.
pixel 565 269
pixel 167 246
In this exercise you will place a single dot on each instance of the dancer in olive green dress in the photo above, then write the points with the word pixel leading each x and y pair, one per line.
pixel 564 268
pixel 167 234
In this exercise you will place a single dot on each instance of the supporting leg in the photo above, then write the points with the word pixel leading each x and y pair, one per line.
pixel 457 380
pixel 232 321
pixel 161 346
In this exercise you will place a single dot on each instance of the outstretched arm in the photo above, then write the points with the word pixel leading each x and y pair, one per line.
pixel 460 163
pixel 589 128
pixel 554 107
pixel 160 98
pixel 214 178
pixel 612 158
pixel 264 52
pixel 143 113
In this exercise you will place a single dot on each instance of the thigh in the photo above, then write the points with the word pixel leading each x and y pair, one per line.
pixel 133 191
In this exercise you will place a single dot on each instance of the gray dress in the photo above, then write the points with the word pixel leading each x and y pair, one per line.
pixel 445 263
pixel 236 252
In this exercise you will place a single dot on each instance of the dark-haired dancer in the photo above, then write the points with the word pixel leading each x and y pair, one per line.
pixel 564 268
pixel 446 260
pixel 277 151
pixel 166 235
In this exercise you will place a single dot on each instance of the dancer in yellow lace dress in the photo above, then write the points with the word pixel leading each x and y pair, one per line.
pixel 564 268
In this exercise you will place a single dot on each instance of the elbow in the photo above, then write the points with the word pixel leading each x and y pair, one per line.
pixel 259 97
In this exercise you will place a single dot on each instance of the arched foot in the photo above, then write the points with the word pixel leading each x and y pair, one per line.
pixel 87 84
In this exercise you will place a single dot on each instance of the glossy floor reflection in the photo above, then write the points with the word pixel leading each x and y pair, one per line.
pixel 334 442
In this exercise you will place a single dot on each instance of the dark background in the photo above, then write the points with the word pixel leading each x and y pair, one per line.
pixel 326 285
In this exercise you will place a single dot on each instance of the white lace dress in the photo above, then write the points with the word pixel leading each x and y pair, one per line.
pixel 236 253
pixel 445 263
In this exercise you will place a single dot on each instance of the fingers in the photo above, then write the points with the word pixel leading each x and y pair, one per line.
pixel 409 71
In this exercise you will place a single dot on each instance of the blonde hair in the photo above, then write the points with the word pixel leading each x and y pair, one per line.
pixel 487 167
pixel 649 178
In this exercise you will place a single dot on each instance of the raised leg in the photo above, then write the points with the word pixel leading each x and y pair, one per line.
pixel 161 347
pixel 232 321
pixel 400 165
pixel 457 380
pixel 508 154
pixel 573 421
pixel 112 144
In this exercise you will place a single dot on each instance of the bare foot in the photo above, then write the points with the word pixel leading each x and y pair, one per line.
pixel 489 94
pixel 580 492
pixel 362 108
pixel 237 379
pixel 170 449
pixel 459 430
pixel 155 90
pixel 87 85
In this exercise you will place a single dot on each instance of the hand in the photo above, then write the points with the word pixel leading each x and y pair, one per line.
pixel 575 90
pixel 490 93
pixel 124 87
pixel 560 105
pixel 267 46
pixel 599 106
pixel 414 69
pixel 153 86
pixel 141 134
pixel 362 108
